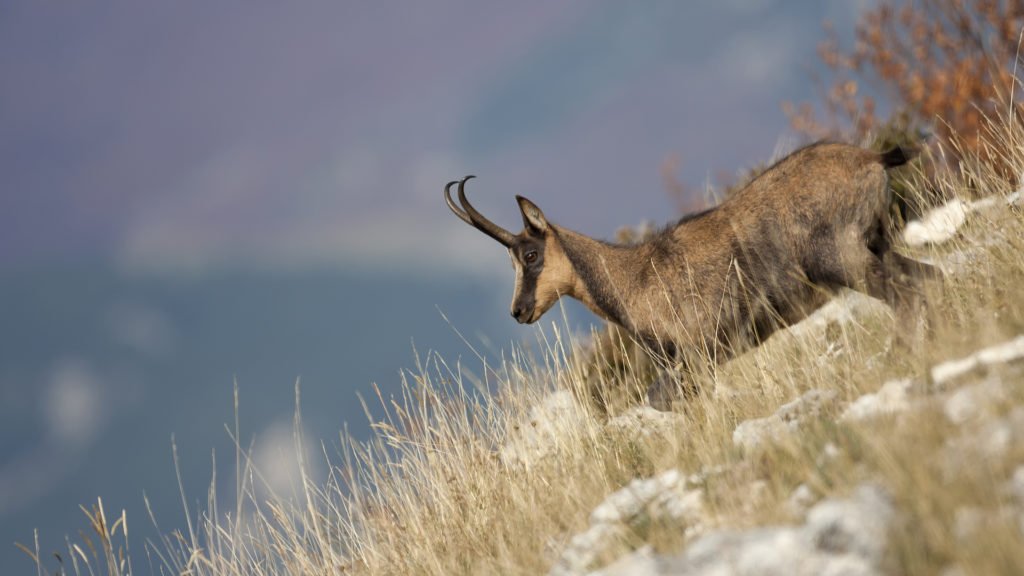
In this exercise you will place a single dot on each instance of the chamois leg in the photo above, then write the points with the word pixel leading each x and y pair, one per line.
pixel 908 278
pixel 668 387
pixel 676 381
pixel 874 269
pixel 902 282
pixel 672 382
pixel 898 281
pixel 915 268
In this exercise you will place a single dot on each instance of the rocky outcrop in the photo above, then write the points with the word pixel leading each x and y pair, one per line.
pixel 948 372
pixel 665 497
pixel 941 224
pixel 848 535
pixel 786 420
pixel 841 536
pixel 544 431
pixel 893 397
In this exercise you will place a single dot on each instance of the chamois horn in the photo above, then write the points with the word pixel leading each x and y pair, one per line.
pixel 471 216
pixel 454 207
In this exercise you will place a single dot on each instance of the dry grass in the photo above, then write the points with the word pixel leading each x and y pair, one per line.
pixel 440 490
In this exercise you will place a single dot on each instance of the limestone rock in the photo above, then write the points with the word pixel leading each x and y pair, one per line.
pixel 841 537
pixel 942 223
pixel 800 500
pixel 847 306
pixel 893 397
pixel 972 402
pixel 982 444
pixel 938 225
pixel 645 422
pixel 1013 350
pixel 752 434
pixel 544 429
pixel 665 497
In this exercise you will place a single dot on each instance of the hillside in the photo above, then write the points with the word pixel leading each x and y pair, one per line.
pixel 824 451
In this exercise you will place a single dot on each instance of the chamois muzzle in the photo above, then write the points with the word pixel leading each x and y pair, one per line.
pixel 522 314
pixel 471 216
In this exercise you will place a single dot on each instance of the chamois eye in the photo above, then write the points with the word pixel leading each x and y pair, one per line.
pixel 530 257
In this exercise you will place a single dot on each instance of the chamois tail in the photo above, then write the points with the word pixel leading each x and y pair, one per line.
pixel 897 156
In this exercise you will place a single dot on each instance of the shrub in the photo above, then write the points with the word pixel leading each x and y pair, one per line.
pixel 944 65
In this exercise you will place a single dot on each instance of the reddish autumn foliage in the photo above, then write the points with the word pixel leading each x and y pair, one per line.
pixel 944 65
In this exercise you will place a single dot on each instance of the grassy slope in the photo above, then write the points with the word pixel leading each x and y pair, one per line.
pixel 457 481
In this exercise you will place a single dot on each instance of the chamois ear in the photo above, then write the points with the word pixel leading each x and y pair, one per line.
pixel 533 218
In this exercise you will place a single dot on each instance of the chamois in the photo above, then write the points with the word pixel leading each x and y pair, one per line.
pixel 719 282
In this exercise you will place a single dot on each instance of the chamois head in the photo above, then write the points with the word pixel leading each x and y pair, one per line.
pixel 543 273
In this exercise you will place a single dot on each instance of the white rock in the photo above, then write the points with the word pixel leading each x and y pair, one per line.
pixel 847 306
pixel 967 521
pixel 938 225
pixel 994 201
pixel 663 497
pixel 829 452
pixel 841 537
pixel 641 561
pixel 970 402
pixel 800 500
pixel 857 526
pixel 972 522
pixel 946 371
pixel 810 405
pixel 787 419
pixel 942 223
pixel 1004 353
pixel 629 501
pixel 753 433
pixel 996 437
pixel 892 397
pixel 644 421
pixel 585 549
pixel 548 426
pixel 1008 351
pixel 754 494
pixel 983 444
pixel 762 555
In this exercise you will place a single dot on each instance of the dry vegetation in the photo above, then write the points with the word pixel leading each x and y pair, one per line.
pixel 456 481
pixel 459 480
pixel 923 73
pixel 944 65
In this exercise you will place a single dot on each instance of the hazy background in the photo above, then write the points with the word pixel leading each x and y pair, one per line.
pixel 198 193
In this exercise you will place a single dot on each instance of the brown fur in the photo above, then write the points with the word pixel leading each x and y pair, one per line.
pixel 558 278
pixel 717 283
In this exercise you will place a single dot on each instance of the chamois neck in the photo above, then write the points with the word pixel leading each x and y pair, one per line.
pixel 603 273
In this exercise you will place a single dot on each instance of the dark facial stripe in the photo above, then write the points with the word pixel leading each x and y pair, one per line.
pixel 528 291
pixel 529 273
pixel 595 279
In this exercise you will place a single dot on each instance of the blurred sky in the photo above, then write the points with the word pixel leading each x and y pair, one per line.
pixel 305 145
pixel 189 134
